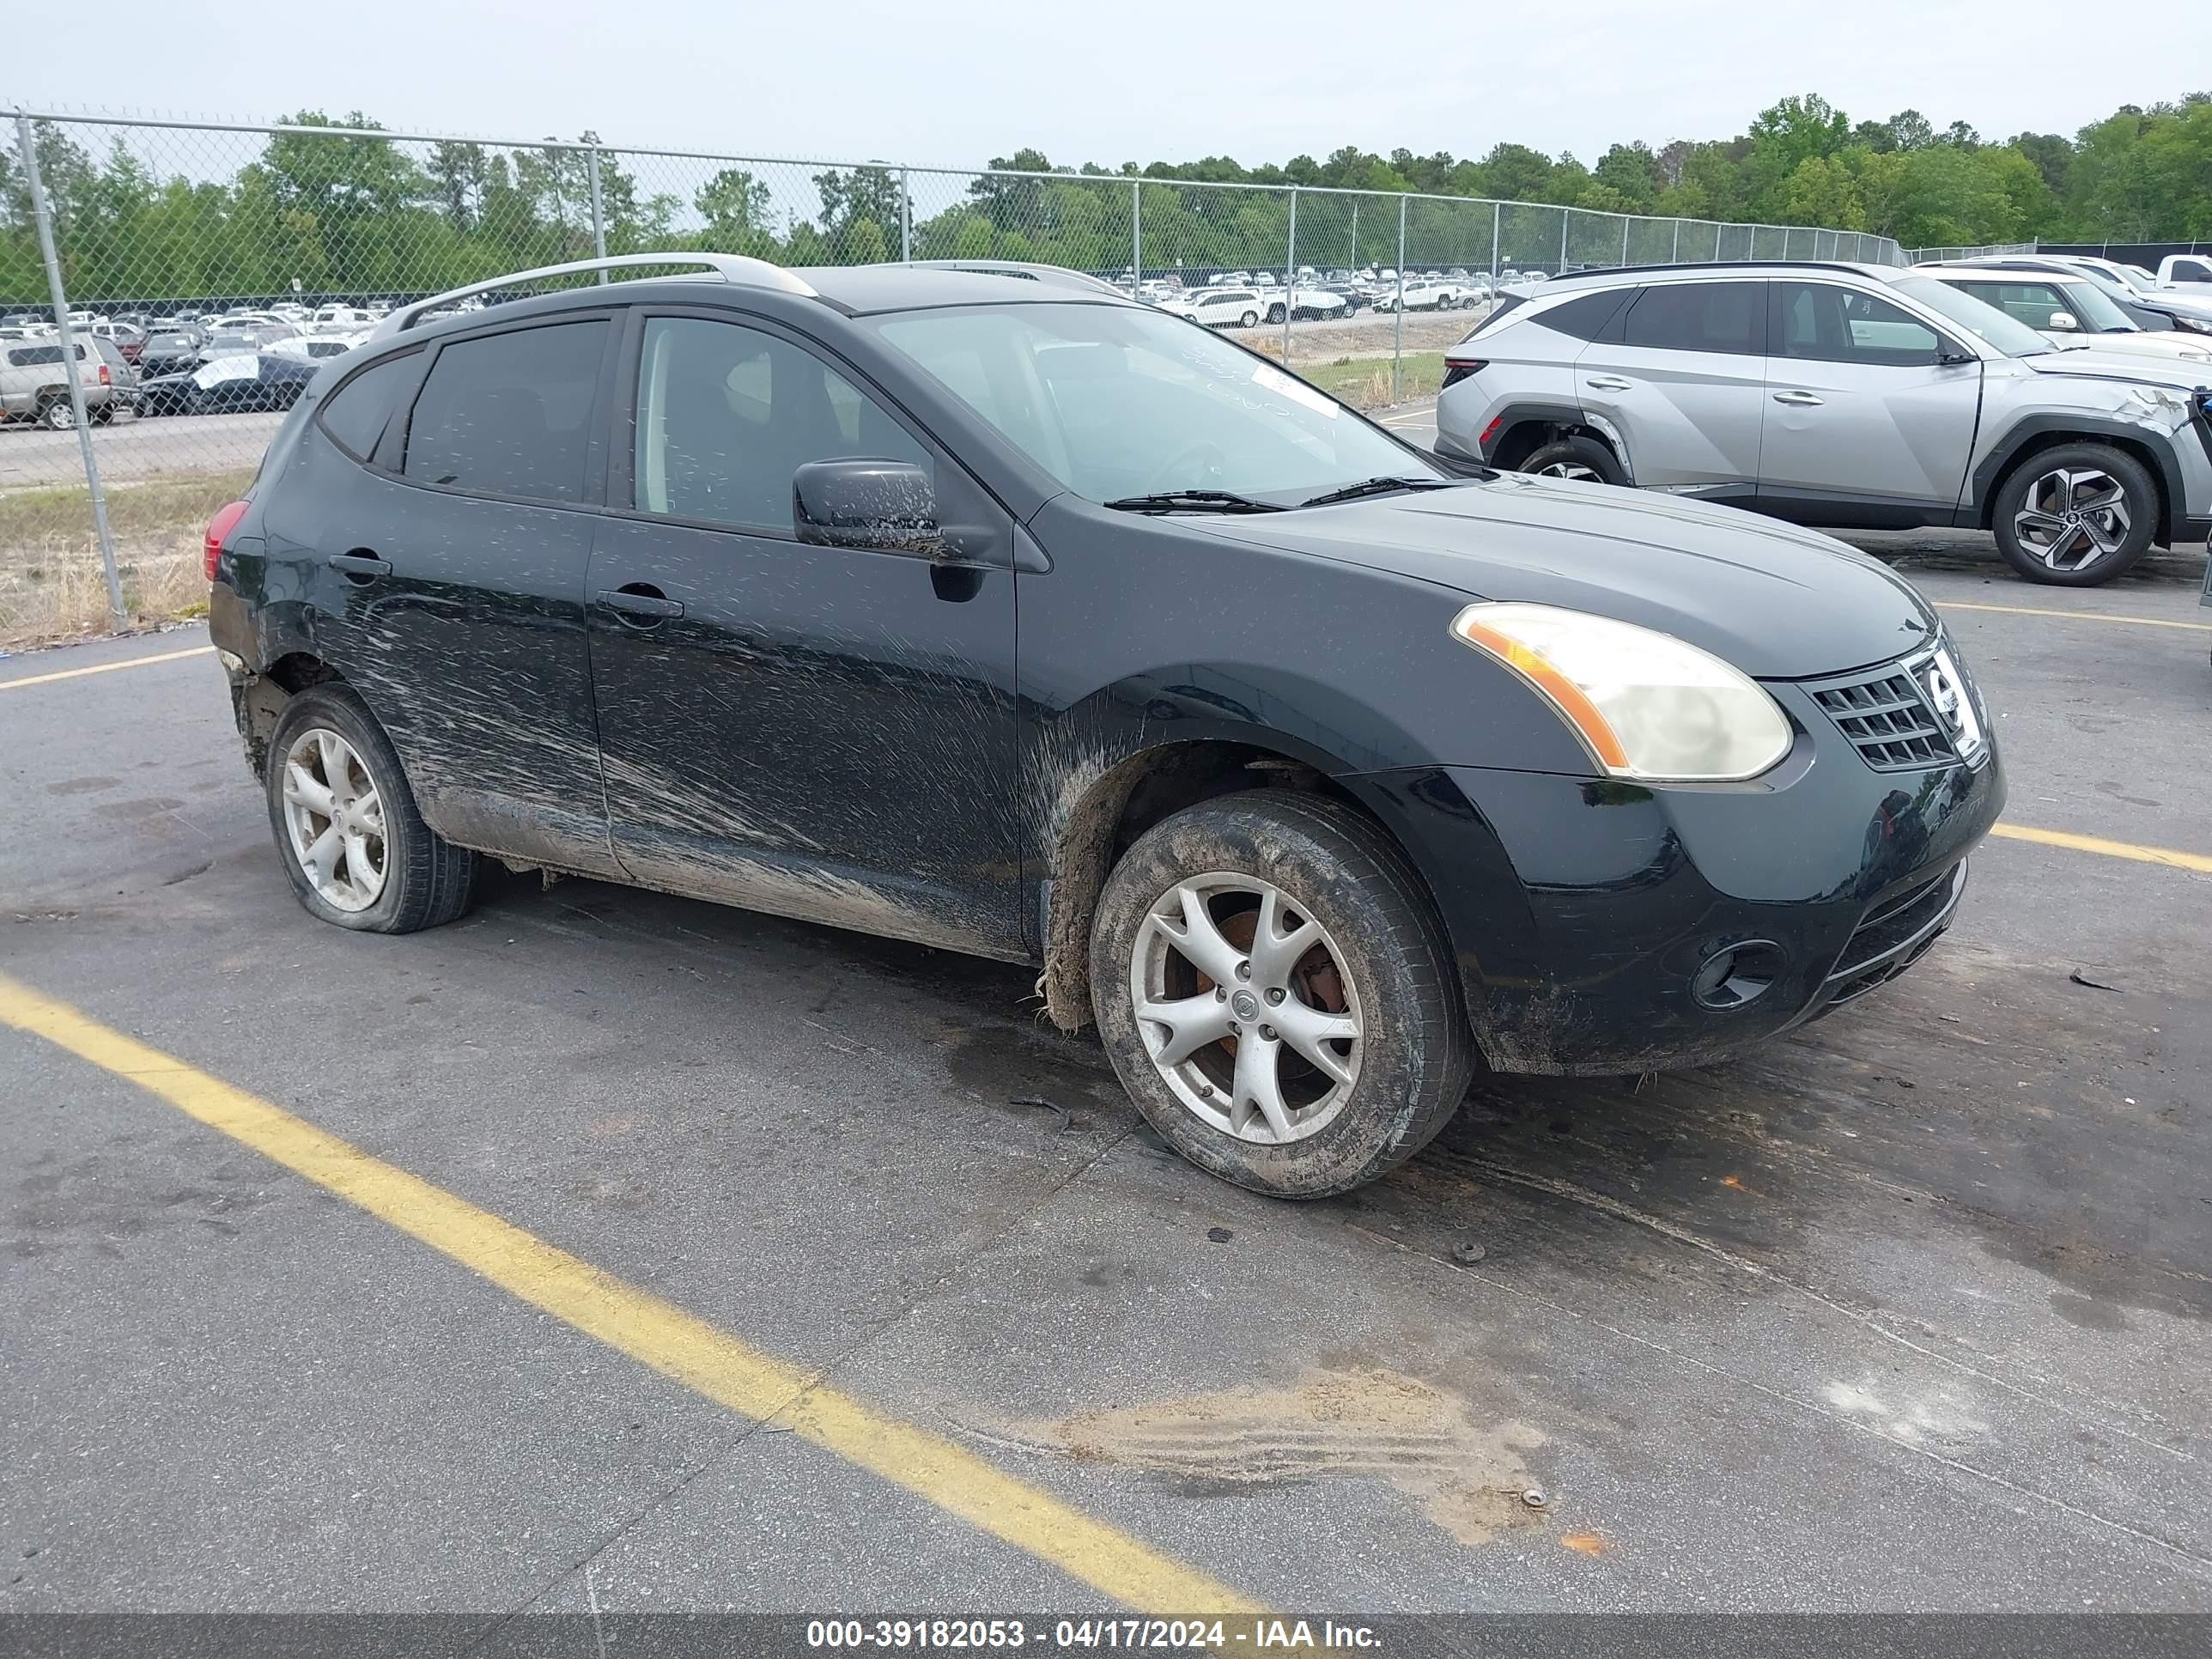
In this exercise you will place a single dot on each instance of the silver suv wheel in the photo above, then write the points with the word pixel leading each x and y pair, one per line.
pixel 334 820
pixel 1246 1009
pixel 2072 516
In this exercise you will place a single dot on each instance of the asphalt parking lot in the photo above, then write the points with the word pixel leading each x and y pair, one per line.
pixel 612 1251
pixel 131 449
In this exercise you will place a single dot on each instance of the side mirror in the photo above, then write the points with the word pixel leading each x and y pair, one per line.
pixel 889 507
pixel 2062 320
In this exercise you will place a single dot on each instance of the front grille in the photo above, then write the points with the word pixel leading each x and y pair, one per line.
pixel 1887 719
pixel 1895 934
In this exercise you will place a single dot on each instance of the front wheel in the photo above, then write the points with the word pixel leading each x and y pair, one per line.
pixel 1249 319
pixel 353 843
pixel 1585 459
pixel 2075 515
pixel 1276 993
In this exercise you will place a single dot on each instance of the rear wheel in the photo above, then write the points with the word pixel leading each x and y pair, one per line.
pixel 1249 319
pixel 354 845
pixel 56 415
pixel 1276 993
pixel 1585 459
pixel 2075 515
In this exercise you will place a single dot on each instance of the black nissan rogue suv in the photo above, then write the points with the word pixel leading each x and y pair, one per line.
pixel 986 609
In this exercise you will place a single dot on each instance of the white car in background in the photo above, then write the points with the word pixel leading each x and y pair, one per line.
pixel 340 319
pixel 1306 304
pixel 316 347
pixel 2067 311
pixel 1218 307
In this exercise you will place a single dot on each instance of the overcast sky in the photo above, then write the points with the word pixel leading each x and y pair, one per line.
pixel 958 81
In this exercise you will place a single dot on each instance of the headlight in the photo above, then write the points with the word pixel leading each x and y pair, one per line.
pixel 1646 705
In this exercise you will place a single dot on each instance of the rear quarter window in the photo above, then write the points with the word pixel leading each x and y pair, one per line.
pixel 356 413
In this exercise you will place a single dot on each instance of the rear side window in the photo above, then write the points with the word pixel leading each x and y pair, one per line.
pixel 1585 316
pixel 356 412
pixel 1699 317
pixel 509 414
pixel 33 357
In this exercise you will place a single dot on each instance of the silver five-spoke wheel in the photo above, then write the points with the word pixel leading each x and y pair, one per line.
pixel 2072 516
pixel 1246 1008
pixel 334 817
pixel 1569 469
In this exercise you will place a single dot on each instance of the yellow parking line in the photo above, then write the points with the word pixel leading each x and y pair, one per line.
pixel 2076 616
pixel 107 667
pixel 2111 849
pixel 678 1345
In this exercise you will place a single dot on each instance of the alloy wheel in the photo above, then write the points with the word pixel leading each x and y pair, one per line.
pixel 2072 517
pixel 334 818
pixel 1569 469
pixel 1246 1008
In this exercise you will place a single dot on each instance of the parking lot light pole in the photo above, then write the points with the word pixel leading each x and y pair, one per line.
pixel 1398 310
pixel 598 212
pixel 1290 277
pixel 44 215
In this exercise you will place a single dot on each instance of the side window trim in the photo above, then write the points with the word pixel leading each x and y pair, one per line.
pixel 391 450
pixel 620 429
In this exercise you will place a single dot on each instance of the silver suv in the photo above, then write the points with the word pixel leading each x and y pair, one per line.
pixel 34 386
pixel 1841 396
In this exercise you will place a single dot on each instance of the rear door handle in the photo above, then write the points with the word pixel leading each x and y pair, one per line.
pixel 641 599
pixel 1608 383
pixel 1801 399
pixel 359 563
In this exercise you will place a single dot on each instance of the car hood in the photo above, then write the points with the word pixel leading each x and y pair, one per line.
pixel 2145 342
pixel 1778 602
pixel 2176 373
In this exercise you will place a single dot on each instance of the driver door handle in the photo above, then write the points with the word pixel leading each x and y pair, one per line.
pixel 1801 399
pixel 1609 383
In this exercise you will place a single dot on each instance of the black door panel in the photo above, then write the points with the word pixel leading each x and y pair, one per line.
pixel 823 732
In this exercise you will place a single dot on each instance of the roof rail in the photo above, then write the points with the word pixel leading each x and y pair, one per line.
pixel 729 267
pixel 1025 268
pixel 1856 267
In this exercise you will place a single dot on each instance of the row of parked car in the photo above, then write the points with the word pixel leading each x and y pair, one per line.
pixel 2064 404
pixel 186 364
pixel 1237 298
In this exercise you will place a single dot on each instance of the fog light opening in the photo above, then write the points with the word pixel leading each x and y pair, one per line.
pixel 1738 975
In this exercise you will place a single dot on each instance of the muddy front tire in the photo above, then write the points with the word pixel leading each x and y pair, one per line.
pixel 1277 994
pixel 347 832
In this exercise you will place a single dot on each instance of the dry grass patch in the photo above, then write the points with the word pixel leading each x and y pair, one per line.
pixel 51 583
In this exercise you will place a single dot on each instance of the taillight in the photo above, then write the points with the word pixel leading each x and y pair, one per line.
pixel 219 528
pixel 1455 373
pixel 103 381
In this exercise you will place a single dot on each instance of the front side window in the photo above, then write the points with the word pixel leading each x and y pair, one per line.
pixel 1697 316
pixel 1113 402
pixel 2032 303
pixel 509 414
pixel 1828 324
pixel 727 414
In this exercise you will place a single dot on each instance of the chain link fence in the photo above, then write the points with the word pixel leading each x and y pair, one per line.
pixel 206 270
pixel 1921 256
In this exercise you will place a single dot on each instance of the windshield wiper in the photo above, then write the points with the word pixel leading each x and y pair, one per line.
pixel 1375 486
pixel 1192 501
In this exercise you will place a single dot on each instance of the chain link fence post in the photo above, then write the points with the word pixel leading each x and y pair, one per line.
pixel 1497 221
pixel 1290 277
pixel 1398 309
pixel 598 209
pixel 1136 237
pixel 43 212
pixel 906 215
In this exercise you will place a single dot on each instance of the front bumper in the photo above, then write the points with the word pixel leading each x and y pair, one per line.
pixel 1582 911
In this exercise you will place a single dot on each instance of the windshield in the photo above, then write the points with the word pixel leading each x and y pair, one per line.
pixel 1116 402
pixel 1985 322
